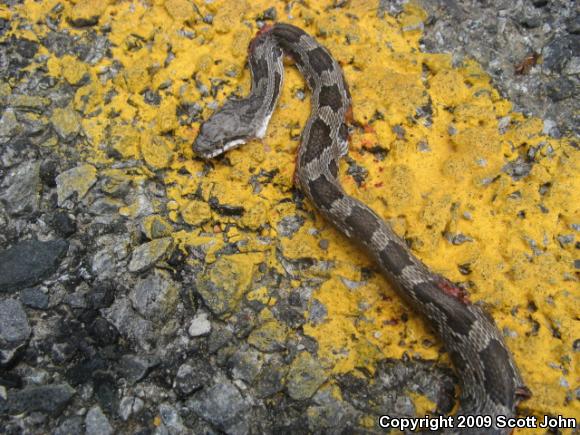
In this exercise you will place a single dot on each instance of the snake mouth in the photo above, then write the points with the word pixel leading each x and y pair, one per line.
pixel 219 149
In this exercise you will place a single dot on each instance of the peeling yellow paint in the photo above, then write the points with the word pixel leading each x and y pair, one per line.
pixel 439 176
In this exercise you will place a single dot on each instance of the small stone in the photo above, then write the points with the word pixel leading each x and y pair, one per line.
pixel 21 189
pixel 130 406
pixel 63 224
pixel 225 284
pixel 245 364
pixel 50 399
pixel 271 379
pixel 200 325
pixel 135 367
pixel 304 377
pixel 86 13
pixel 66 122
pixel 9 125
pixel 196 212
pixel 72 425
pixel 155 227
pixel 30 103
pixel 180 10
pixel 14 329
pixel 171 419
pixel 147 254
pixel 269 337
pixel 34 298
pixel 129 324
pixel 29 262
pixel 551 128
pixel 156 296
pixel 97 423
pixel 221 404
pixel 76 180
pixel 193 376
pixel 560 89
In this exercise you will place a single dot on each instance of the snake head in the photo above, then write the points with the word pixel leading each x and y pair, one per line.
pixel 224 130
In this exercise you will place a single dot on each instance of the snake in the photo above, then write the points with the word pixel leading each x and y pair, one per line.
pixel 489 380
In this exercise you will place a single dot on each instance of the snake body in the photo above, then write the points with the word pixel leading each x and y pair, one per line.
pixel 489 379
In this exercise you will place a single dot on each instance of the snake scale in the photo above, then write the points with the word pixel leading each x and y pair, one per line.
pixel 489 379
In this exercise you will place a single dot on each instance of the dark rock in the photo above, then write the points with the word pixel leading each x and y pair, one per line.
pixel 103 332
pixel 14 329
pixel 557 53
pixel 192 376
pixel 560 89
pixel 271 379
pixel 135 367
pixel 219 337
pixel 48 173
pixel 29 262
pixel 10 380
pixel 26 48
pixel 83 371
pixel 270 14
pixel 106 391
pixel 21 189
pixel 51 399
pixel 539 3
pixel 63 224
pixel 221 405
pixel 71 425
pixel 34 298
pixel 573 25
pixel 102 295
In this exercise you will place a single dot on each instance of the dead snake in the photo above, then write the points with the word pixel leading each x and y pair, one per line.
pixel 489 379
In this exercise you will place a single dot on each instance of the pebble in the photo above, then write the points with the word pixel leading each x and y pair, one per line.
pixel 192 376
pixel 29 262
pixel 135 367
pixel 72 425
pixel 21 189
pixel 222 405
pixel 129 324
pixel 130 405
pixel 66 122
pixel 49 399
pixel 304 377
pixel 269 337
pixel 77 181
pixel 63 224
pixel 97 423
pixel 9 125
pixel 14 329
pixel 147 254
pixel 223 287
pixel 200 325
pixel 155 297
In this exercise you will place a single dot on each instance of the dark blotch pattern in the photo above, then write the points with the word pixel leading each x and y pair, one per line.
pixel 395 258
pixel 277 82
pixel 320 60
pixel 343 132
pixel 287 32
pixel 318 140
pixel 324 192
pixel 499 375
pixel 330 96
pixel 333 167
pixel 259 68
pixel 363 222
pixel 456 316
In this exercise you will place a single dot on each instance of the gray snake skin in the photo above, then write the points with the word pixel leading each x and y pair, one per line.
pixel 489 379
